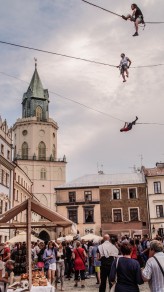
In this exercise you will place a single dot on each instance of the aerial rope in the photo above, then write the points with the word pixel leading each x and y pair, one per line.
pixel 90 108
pixel 149 22
pixel 73 57
pixel 102 8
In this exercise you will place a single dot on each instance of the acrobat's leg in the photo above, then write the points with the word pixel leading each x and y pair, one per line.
pixel 123 75
pixel 127 73
pixel 127 17
pixel 136 23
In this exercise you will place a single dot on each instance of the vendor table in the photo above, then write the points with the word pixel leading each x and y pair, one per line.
pixel 48 288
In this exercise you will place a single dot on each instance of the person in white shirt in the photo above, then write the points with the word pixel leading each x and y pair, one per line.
pixel 106 253
pixel 153 273
pixel 124 65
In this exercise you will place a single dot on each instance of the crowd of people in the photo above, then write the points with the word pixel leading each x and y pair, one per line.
pixel 124 263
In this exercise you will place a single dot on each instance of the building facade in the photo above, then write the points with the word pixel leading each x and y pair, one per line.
pixel 79 201
pixel 35 144
pixel 124 208
pixel 155 188
pixel 6 173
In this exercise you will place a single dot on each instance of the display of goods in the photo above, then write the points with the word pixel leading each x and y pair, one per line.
pixel 43 282
pixel 24 276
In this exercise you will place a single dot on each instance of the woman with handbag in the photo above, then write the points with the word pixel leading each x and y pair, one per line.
pixel 79 256
pixel 127 271
pixel 60 265
pixel 40 263
pixel 49 258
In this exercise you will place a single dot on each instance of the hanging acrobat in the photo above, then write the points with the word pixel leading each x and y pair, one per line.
pixel 136 17
pixel 124 66
pixel 128 126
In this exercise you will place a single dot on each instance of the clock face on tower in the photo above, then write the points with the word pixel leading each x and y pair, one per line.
pixel 24 132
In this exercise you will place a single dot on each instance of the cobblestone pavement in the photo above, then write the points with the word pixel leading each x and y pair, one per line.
pixel 91 286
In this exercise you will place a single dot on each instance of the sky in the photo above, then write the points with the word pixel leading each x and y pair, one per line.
pixel 91 141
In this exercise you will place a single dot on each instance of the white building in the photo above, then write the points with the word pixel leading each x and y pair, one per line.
pixel 6 173
pixel 155 188
pixel 35 144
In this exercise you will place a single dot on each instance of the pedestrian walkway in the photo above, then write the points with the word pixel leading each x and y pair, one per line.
pixel 91 286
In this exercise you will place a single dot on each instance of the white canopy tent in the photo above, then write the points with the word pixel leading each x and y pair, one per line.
pixel 22 237
pixel 91 236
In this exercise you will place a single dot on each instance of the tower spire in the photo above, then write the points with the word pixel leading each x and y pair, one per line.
pixel 35 59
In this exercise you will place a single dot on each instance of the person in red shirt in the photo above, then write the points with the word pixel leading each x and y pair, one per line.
pixel 7 253
pixel 128 126
pixel 79 256
pixel 133 250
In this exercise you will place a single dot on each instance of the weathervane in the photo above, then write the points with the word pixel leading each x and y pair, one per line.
pixel 35 63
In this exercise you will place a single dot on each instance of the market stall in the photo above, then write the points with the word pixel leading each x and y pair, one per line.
pixel 54 220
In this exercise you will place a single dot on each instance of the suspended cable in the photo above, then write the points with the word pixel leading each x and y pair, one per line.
pixel 72 100
pixel 81 104
pixel 102 8
pixel 88 107
pixel 76 58
pixel 149 22
pixel 58 54
pixel 159 124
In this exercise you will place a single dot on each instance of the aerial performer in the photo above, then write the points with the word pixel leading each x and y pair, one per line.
pixel 136 17
pixel 128 126
pixel 124 66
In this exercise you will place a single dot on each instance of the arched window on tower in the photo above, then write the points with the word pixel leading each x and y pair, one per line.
pixel 42 151
pixel 43 174
pixel 54 151
pixel 25 150
pixel 39 113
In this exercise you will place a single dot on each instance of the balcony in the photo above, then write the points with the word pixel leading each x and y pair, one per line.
pixel 34 157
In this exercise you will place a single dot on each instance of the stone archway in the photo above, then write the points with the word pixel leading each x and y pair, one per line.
pixel 44 235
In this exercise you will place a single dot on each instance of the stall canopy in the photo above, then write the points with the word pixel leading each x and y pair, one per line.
pixel 54 218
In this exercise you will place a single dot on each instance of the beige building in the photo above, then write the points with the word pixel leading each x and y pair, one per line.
pixel 22 191
pixel 155 187
pixel 35 145
pixel 6 173
pixel 79 201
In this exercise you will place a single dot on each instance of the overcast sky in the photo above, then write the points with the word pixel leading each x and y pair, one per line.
pixel 87 138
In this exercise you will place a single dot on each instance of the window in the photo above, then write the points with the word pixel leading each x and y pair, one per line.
pixel 88 196
pixel 8 154
pixel 6 205
pixel 157 187
pixel 2 176
pixel 134 214
pixel 116 194
pixel 54 151
pixel 24 150
pixel 2 149
pixel 43 174
pixel 1 206
pixel 72 215
pixel 159 211
pixel 132 193
pixel 39 113
pixel 7 180
pixel 88 215
pixel 72 197
pixel 117 215
pixel 42 151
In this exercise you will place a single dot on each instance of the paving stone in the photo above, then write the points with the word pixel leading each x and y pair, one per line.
pixel 90 285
